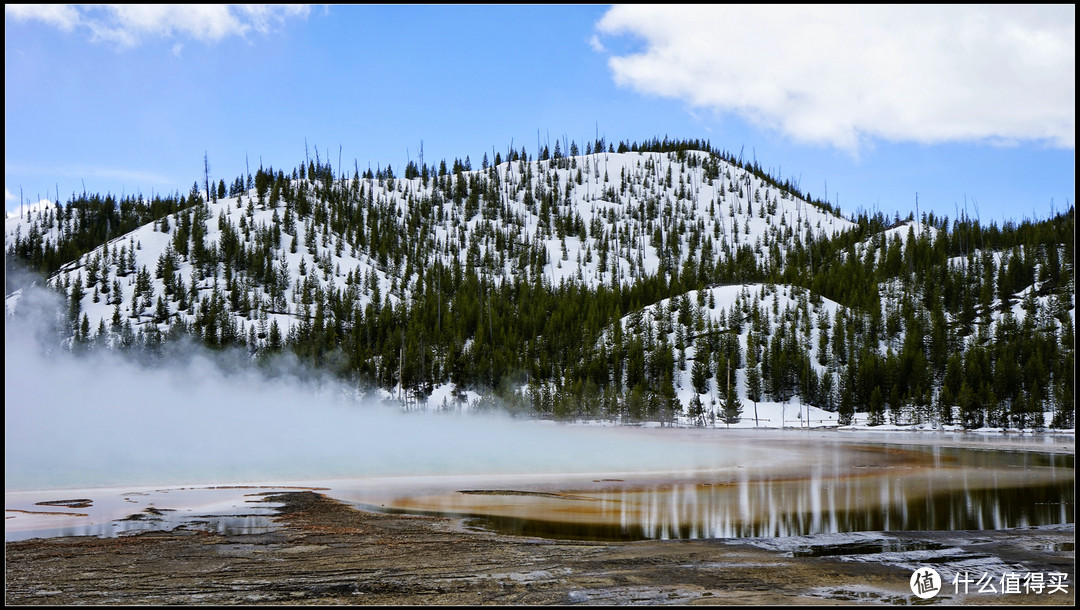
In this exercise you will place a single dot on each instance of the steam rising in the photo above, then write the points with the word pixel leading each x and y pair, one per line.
pixel 101 419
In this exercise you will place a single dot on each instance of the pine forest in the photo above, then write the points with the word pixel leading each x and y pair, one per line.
pixel 656 281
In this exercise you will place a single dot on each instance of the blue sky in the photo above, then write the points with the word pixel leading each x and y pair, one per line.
pixel 875 104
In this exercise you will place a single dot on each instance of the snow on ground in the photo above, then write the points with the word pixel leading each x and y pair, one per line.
pixel 792 414
pixel 910 228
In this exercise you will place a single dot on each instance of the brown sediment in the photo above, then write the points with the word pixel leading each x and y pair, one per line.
pixel 44 512
pixel 79 503
pixel 327 552
pixel 149 510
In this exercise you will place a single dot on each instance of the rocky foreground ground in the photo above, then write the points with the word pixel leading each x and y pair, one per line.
pixel 326 552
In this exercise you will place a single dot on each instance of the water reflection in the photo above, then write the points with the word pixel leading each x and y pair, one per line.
pixel 217 524
pixel 107 513
pixel 863 488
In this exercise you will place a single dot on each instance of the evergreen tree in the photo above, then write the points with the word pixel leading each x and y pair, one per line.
pixel 696 411
pixel 876 408
pixel 75 299
pixel 731 407
pixel 753 380
pixel 699 374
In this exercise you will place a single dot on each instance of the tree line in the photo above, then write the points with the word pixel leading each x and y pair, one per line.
pixel 449 273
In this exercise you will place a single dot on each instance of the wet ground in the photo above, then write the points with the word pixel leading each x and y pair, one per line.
pixel 319 550
pixel 847 522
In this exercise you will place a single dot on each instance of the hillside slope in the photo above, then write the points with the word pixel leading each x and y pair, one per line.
pixel 531 279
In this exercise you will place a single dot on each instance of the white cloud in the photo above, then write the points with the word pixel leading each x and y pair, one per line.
pixel 842 76
pixel 128 25
pixel 20 210
pixel 20 207
pixel 262 17
pixel 63 16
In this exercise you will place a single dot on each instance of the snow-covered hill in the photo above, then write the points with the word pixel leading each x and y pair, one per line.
pixel 288 257
pixel 597 219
